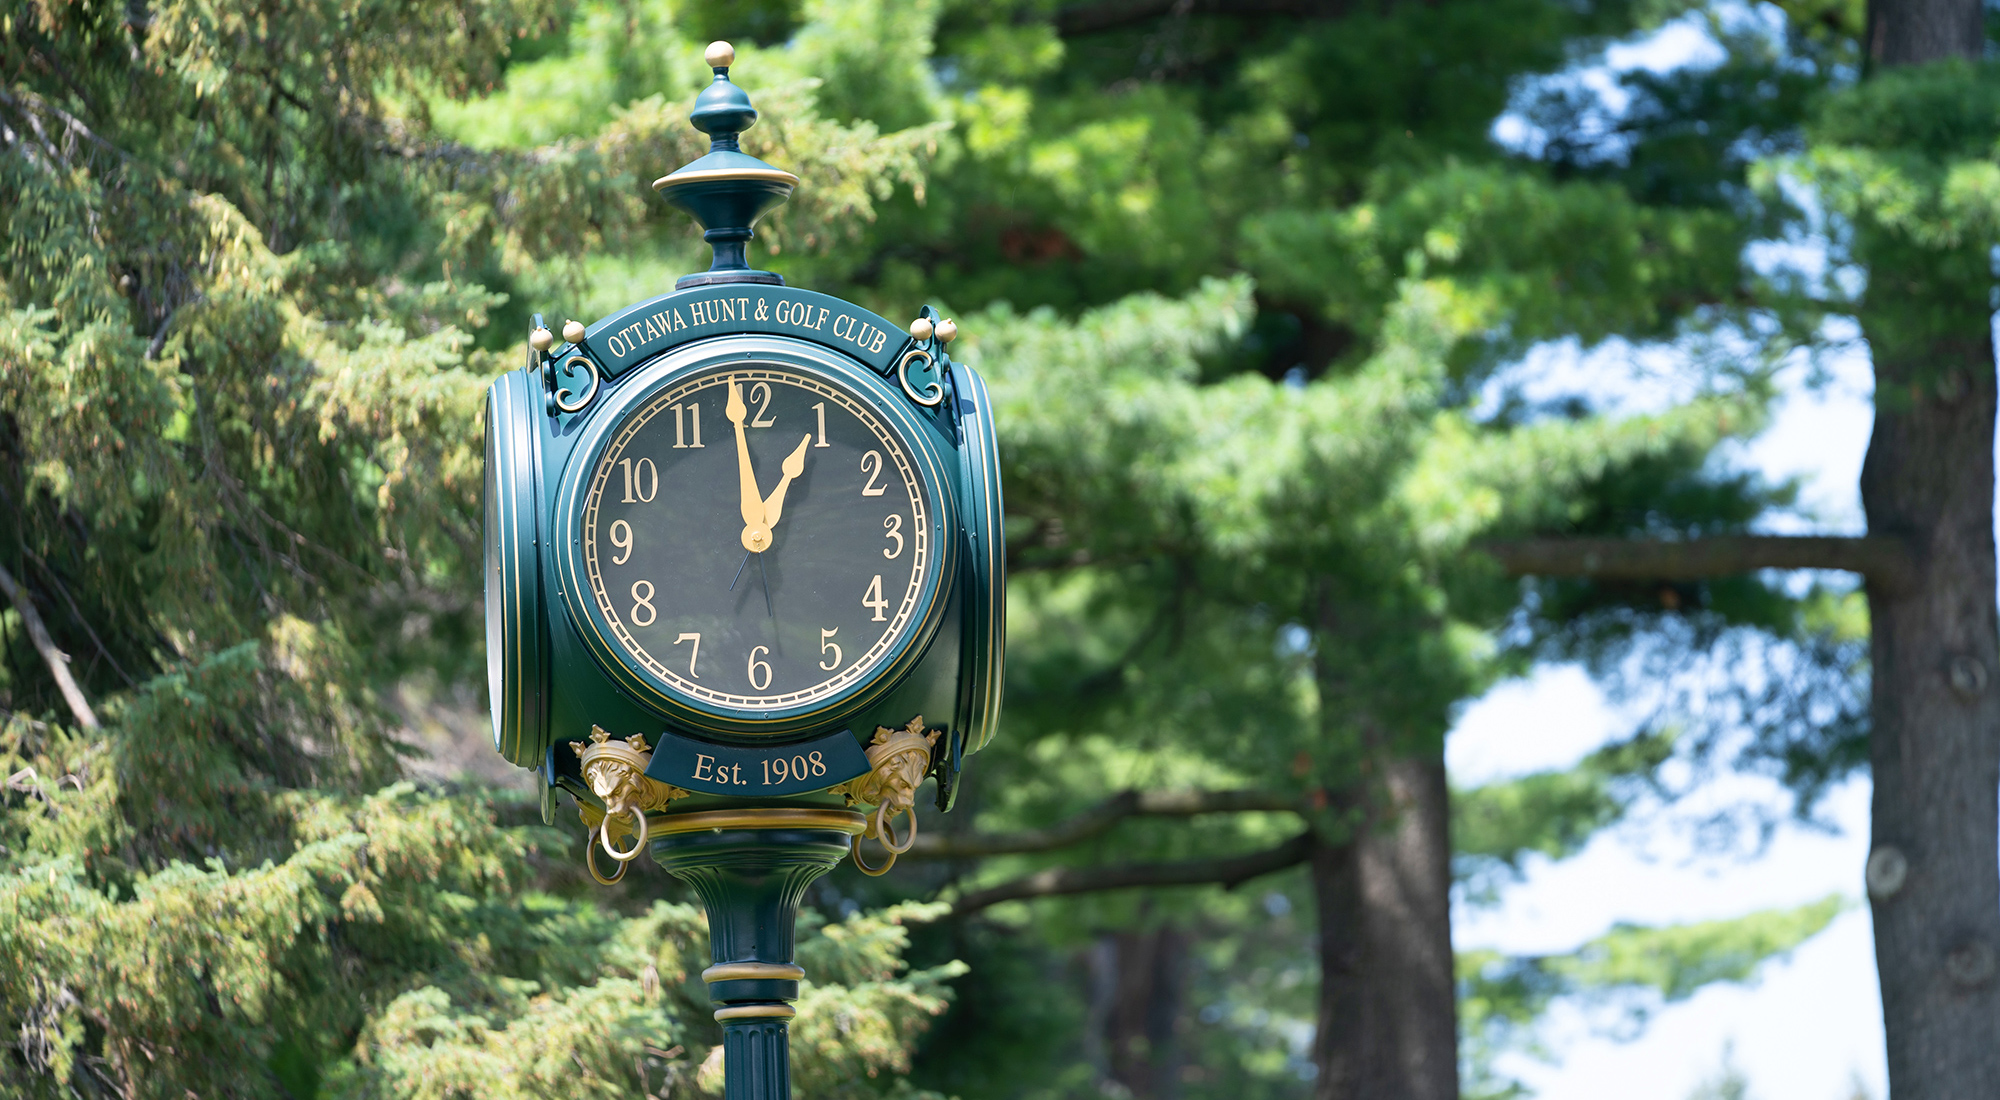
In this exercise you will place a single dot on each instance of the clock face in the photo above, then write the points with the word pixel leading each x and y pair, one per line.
pixel 755 537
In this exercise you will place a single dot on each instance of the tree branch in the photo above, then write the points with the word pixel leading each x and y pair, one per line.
pixel 77 614
pixel 1099 819
pixel 1881 559
pixel 1228 872
pixel 58 664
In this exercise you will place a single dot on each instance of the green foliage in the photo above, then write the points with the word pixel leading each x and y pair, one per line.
pixel 1632 970
pixel 394 950
pixel 1678 960
pixel 1907 160
pixel 248 271
pixel 1240 287
pixel 1495 828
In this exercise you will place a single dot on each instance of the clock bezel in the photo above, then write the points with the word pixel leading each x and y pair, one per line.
pixel 666 371
pixel 516 635
pixel 983 657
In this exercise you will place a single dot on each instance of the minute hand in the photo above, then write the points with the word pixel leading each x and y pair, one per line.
pixel 751 502
pixel 794 466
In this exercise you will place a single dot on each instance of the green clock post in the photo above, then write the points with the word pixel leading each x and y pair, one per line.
pixel 744 582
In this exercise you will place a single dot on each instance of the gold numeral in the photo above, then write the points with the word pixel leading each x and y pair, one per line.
pixel 894 530
pixel 756 681
pixel 644 477
pixel 694 656
pixel 625 543
pixel 873 598
pixel 871 464
pixel 762 419
pixel 826 642
pixel 644 602
pixel 680 436
pixel 820 409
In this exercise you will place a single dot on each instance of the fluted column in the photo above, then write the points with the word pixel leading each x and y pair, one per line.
pixel 756 1059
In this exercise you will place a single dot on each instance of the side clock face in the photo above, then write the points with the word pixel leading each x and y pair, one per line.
pixel 756 538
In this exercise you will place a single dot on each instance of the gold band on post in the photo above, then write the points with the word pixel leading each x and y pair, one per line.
pixel 707 175
pixel 844 821
pixel 729 972
pixel 746 1012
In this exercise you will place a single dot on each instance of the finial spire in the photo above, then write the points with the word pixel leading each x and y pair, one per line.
pixel 727 190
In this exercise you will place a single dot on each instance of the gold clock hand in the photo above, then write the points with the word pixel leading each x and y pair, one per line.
pixel 794 466
pixel 756 533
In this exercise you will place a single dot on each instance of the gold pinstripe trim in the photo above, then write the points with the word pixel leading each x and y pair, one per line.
pixel 727 972
pixel 846 821
pixel 746 1012
pixel 708 175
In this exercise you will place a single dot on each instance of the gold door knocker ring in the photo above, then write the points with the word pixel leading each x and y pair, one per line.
pixel 900 759
pixel 616 772
pixel 604 835
pixel 590 859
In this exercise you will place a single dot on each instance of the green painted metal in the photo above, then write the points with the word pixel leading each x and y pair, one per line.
pixel 727 190
pixel 552 675
pixel 929 432
pixel 750 881
pixel 553 672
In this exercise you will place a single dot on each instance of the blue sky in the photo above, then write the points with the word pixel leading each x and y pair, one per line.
pixel 1810 1026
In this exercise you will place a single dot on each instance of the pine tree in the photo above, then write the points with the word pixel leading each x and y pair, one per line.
pixel 251 299
pixel 1241 276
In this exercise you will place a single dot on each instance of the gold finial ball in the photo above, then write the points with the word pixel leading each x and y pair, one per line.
pixel 573 331
pixel 920 329
pixel 947 331
pixel 719 55
pixel 541 339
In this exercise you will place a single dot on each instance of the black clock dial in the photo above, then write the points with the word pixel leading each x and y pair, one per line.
pixel 756 537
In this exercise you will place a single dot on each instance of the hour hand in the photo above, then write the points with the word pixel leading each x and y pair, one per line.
pixel 794 466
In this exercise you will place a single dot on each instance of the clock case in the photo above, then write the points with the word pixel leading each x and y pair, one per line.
pixel 550 683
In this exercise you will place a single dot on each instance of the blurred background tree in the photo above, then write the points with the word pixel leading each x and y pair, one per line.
pixel 1253 283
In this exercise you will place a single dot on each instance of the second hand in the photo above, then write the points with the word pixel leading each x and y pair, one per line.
pixel 760 572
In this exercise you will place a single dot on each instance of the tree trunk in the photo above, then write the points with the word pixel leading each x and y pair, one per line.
pixel 1936 743
pixel 1388 1027
pixel 1911 32
pixel 1935 751
pixel 1138 997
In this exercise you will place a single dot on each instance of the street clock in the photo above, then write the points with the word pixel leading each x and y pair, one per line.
pixel 743 543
